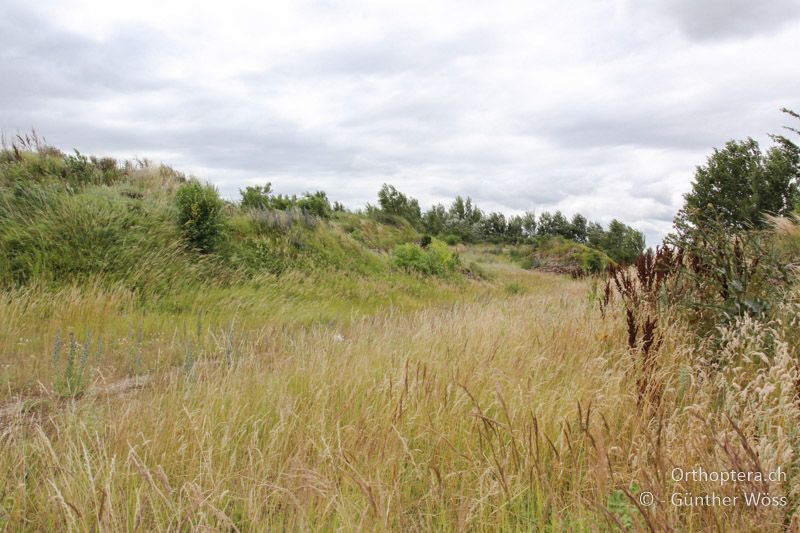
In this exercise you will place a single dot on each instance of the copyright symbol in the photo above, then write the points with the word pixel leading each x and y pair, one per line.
pixel 646 499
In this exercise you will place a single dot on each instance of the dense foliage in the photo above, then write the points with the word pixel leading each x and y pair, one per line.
pixel 739 184
pixel 200 214
pixel 464 222
pixel 261 197
pixel 393 202
pixel 435 258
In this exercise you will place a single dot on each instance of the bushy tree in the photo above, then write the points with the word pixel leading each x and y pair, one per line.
pixel 435 219
pixel 595 234
pixel 514 229
pixel 200 214
pixel 621 242
pixel 493 227
pixel 463 210
pixel 316 204
pixel 529 224
pixel 554 224
pixel 393 202
pixel 256 197
pixel 463 220
pixel 282 202
pixel 578 228
pixel 261 197
pixel 739 184
pixel 545 224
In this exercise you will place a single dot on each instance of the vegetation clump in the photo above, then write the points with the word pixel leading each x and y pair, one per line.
pixel 433 259
pixel 260 197
pixel 200 215
pixel 739 186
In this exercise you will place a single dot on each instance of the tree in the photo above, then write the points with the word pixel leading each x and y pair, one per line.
pixel 464 211
pixel 493 227
pixel 463 219
pixel 739 184
pixel 595 234
pixel 529 224
pixel 555 224
pixel 578 228
pixel 316 204
pixel 561 225
pixel 622 243
pixel 514 229
pixel 256 197
pixel 545 224
pixel 434 219
pixel 393 202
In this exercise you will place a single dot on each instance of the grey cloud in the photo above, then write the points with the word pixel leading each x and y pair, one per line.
pixel 401 50
pixel 40 60
pixel 723 19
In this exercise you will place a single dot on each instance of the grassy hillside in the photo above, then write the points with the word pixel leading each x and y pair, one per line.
pixel 332 373
pixel 94 249
pixel 124 228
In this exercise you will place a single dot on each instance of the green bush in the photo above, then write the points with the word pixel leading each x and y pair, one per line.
pixel 436 259
pixel 731 274
pixel 79 169
pixel 594 261
pixel 200 214
pixel 261 197
pixel 316 204
pixel 256 197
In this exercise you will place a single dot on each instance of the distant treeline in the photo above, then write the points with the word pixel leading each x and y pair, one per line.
pixel 464 221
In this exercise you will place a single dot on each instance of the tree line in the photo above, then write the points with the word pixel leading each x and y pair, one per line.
pixel 463 221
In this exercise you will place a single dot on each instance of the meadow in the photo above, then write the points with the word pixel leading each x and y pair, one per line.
pixel 307 376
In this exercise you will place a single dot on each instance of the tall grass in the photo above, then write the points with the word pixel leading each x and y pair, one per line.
pixel 446 418
pixel 483 416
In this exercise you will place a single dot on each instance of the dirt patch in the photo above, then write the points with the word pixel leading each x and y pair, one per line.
pixel 25 408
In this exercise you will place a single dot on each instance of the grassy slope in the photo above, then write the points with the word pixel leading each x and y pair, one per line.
pixel 104 259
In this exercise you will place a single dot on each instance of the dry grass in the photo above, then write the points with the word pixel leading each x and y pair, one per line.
pixel 515 411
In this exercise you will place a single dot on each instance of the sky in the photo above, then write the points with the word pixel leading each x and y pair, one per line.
pixel 592 106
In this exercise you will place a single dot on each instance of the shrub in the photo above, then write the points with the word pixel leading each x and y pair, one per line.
pixel 256 197
pixel 425 241
pixel 730 275
pixel 200 214
pixel 411 256
pixel 436 259
pixel 594 261
pixel 261 197
pixel 316 204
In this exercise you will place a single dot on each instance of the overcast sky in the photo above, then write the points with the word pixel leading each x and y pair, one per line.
pixel 592 106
